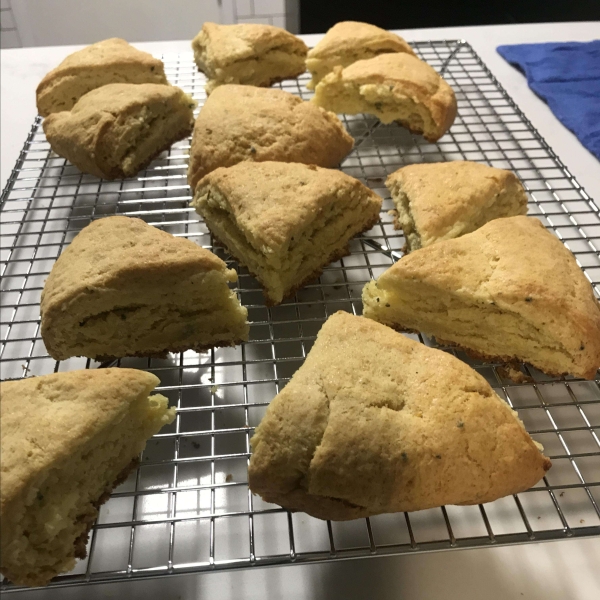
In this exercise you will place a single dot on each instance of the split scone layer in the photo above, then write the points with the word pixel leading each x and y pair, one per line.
pixel 125 288
pixel 374 422
pixel 108 61
pixel 349 41
pixel 285 221
pixel 441 201
pixel 67 440
pixel 393 87
pixel 244 123
pixel 509 291
pixel 247 53
pixel 117 130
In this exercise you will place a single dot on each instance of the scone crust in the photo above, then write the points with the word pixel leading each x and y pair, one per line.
pixel 441 194
pixel 116 248
pixel 244 123
pixel 100 58
pixel 82 133
pixel 272 202
pixel 34 440
pixel 406 76
pixel 227 44
pixel 548 289
pixel 375 422
pixel 349 37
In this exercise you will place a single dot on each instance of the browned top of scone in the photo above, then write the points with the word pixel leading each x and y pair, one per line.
pixel 352 36
pixel 240 122
pixel 226 44
pixel 115 248
pixel 45 418
pixel 442 194
pixel 522 268
pixel 107 53
pixel 272 202
pixel 375 422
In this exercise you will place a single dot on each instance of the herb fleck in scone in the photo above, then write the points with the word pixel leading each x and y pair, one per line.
pixel 393 87
pixel 285 221
pixel 508 291
pixel 125 288
pixel 244 123
pixel 67 440
pixel 247 53
pixel 347 42
pixel 374 422
pixel 108 61
pixel 117 130
pixel 441 201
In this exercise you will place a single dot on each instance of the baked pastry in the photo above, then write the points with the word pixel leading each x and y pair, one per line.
pixel 125 288
pixel 285 221
pixel 108 61
pixel 115 131
pixel 508 291
pixel 349 41
pixel 441 201
pixel 393 87
pixel 239 123
pixel 247 53
pixel 67 440
pixel 374 422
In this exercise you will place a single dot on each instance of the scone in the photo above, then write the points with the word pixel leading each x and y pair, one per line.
pixel 115 131
pixel 374 422
pixel 508 291
pixel 108 61
pixel 393 87
pixel 240 122
pixel 247 53
pixel 441 201
pixel 349 41
pixel 67 440
pixel 125 288
pixel 285 221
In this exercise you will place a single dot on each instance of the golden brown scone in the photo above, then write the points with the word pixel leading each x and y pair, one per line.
pixel 125 288
pixel 508 291
pixel 108 61
pixel 240 122
pixel 374 422
pixel 247 53
pixel 117 130
pixel 67 440
pixel 393 87
pixel 441 201
pixel 285 221
pixel 349 41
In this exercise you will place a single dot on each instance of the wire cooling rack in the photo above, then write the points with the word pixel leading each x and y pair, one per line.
pixel 187 508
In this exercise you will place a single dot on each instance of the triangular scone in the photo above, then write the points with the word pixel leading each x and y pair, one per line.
pixel 349 41
pixel 115 131
pixel 508 291
pixel 67 440
pixel 374 422
pixel 125 288
pixel 393 87
pixel 285 221
pixel 242 122
pixel 247 53
pixel 441 201
pixel 108 61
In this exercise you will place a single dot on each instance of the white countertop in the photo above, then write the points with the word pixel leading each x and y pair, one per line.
pixel 549 571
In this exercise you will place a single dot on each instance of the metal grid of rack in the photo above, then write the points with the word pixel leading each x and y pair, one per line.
pixel 187 508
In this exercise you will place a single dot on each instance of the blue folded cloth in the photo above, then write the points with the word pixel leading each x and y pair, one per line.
pixel 567 77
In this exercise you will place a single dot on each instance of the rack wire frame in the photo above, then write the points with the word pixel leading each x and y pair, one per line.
pixel 187 508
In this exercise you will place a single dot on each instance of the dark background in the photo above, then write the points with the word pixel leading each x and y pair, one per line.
pixel 316 16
